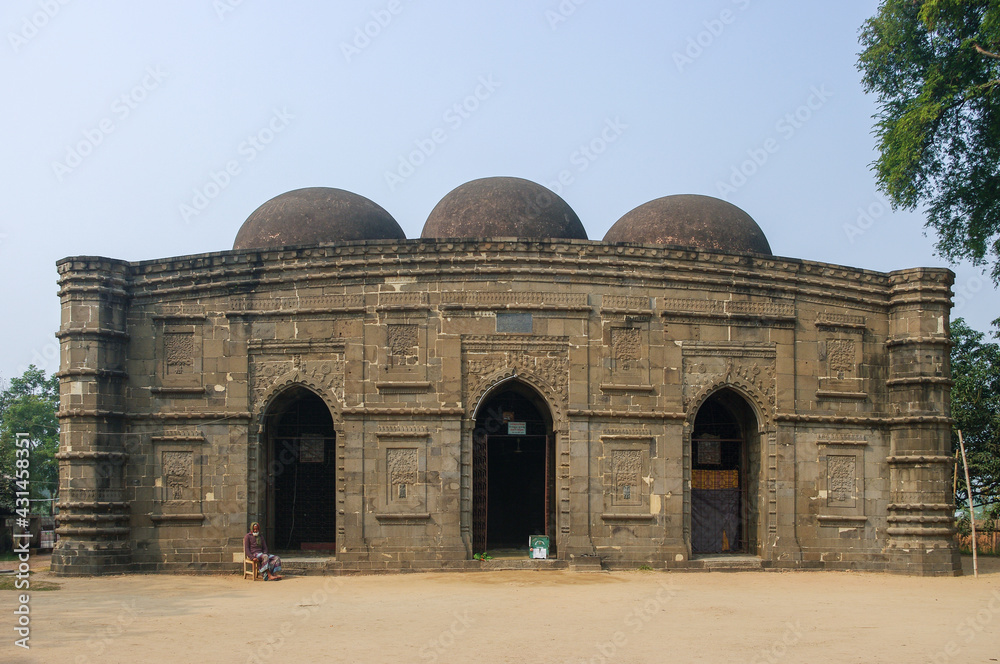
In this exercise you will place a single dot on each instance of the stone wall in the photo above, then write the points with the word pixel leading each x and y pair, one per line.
pixel 169 369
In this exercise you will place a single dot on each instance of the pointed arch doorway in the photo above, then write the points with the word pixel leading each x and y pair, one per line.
pixel 513 469
pixel 300 453
pixel 725 476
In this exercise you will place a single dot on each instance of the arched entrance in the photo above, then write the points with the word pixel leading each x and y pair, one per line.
pixel 301 472
pixel 513 461
pixel 725 475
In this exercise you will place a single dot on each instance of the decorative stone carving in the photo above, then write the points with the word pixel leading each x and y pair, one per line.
pixel 841 475
pixel 626 348
pixel 273 372
pixel 401 469
pixel 178 473
pixel 542 360
pixel 178 349
pixel 627 472
pixel 841 357
pixel 401 340
pixel 724 366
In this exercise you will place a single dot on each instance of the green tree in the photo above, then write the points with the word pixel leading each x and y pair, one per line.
pixel 975 407
pixel 29 405
pixel 935 67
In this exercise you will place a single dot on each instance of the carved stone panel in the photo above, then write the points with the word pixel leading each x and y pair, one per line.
pixel 178 475
pixel 402 472
pixel 320 368
pixel 841 481
pixel 178 351
pixel 541 361
pixel 402 344
pixel 627 476
pixel 840 359
pixel 626 348
pixel 748 366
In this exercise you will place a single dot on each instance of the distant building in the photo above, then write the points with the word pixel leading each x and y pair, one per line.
pixel 672 391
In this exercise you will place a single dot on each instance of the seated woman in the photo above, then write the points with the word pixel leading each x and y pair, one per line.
pixel 255 548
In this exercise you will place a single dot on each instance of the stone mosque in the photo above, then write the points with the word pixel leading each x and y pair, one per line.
pixel 672 396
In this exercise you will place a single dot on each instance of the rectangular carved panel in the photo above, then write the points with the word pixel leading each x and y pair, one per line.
pixel 841 480
pixel 178 474
pixel 178 351
pixel 402 471
pixel 626 348
pixel 402 342
pixel 627 474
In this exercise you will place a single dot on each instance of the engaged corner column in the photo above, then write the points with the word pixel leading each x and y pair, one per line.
pixel 921 510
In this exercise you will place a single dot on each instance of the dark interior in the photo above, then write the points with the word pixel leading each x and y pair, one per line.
pixel 518 474
pixel 301 472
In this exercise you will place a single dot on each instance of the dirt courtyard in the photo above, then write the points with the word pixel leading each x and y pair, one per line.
pixel 517 616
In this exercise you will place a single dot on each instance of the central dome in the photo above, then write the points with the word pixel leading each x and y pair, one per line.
pixel 503 207
pixel 691 220
pixel 315 215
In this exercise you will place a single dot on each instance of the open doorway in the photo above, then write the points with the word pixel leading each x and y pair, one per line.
pixel 725 463
pixel 301 472
pixel 513 470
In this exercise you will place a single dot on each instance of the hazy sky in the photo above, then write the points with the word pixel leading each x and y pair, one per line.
pixel 140 130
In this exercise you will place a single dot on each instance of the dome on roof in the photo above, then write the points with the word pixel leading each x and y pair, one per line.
pixel 691 220
pixel 315 215
pixel 503 207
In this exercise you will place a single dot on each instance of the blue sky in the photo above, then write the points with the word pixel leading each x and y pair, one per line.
pixel 140 130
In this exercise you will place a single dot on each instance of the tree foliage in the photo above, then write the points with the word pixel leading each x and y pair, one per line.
pixel 935 67
pixel 975 407
pixel 29 405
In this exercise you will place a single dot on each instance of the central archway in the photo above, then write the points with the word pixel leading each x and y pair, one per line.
pixel 725 476
pixel 300 445
pixel 513 461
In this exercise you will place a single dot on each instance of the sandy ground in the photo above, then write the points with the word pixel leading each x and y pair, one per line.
pixel 626 617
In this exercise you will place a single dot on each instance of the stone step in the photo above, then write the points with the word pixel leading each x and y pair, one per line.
pixel 727 563
pixel 523 563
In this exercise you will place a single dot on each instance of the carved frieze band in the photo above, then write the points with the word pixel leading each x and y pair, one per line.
pixel 840 321
pixel 523 300
pixel 401 301
pixel 845 439
pixel 777 311
pixel 723 349
pixel 263 305
pixel 626 304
